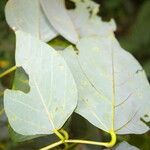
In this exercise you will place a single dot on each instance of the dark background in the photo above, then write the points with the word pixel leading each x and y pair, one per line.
pixel 133 32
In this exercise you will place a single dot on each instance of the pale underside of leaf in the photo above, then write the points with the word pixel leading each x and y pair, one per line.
pixel 86 20
pixel 53 94
pixel 57 15
pixel 125 146
pixel 113 89
pixel 28 16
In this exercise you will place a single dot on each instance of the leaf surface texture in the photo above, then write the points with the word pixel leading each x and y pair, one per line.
pixel 53 94
pixel 113 89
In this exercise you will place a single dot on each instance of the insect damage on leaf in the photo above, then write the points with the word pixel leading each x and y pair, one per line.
pixel 21 81
pixel 110 88
pixel 53 95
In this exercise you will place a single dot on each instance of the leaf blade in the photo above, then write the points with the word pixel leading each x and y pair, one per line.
pixel 102 62
pixel 125 146
pixel 86 20
pixel 27 16
pixel 60 20
pixel 46 107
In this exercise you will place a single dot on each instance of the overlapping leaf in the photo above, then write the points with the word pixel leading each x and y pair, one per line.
pixel 28 16
pixel 53 95
pixel 86 20
pixel 113 89
pixel 59 18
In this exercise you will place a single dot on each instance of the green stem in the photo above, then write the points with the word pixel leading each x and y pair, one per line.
pixel 8 71
pixel 113 139
pixel 106 144
pixel 66 137
pixel 59 135
pixel 52 145
pixel 65 133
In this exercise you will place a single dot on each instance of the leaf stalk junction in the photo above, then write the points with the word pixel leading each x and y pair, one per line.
pixel 63 135
pixel 67 140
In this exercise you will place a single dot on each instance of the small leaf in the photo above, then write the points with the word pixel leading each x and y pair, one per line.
pixel 27 15
pixel 59 18
pixel 125 146
pixel 86 20
pixel 53 94
pixel 113 89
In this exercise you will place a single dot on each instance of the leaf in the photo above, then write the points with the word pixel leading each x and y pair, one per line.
pixel 21 82
pixel 113 89
pixel 125 146
pixel 27 15
pixel 53 94
pixel 57 15
pixel 86 20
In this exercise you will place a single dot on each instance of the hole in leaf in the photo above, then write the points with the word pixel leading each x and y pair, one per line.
pixel 139 70
pixel 145 120
pixel 59 43
pixel 69 4
pixel 21 81
pixel 146 116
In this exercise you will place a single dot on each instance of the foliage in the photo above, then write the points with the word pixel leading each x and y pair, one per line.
pixel 106 78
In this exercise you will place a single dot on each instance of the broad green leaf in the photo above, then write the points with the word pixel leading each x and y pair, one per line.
pixel 113 89
pixel 125 146
pixel 59 18
pixel 86 20
pixel 27 15
pixel 53 94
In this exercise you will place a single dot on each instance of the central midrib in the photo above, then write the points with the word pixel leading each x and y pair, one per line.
pixel 113 90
